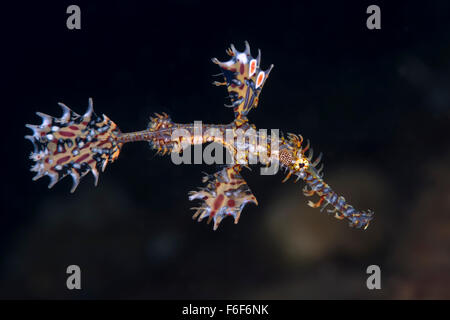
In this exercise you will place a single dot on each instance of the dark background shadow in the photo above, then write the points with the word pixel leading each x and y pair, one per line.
pixel 376 103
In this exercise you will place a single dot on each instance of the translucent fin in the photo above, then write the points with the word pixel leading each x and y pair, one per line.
pixel 73 145
pixel 226 194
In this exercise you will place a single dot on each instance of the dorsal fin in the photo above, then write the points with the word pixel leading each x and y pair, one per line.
pixel 244 80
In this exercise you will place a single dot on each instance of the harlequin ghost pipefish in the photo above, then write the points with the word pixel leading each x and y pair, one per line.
pixel 78 144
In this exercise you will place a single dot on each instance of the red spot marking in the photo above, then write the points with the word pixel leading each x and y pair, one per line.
pixel 217 184
pixel 85 123
pixel 90 161
pixel 252 66
pixel 231 203
pixel 66 134
pixel 85 146
pixel 260 79
pixel 73 127
pixel 218 202
pixel 63 159
pixel 82 158
pixel 241 87
pixel 42 133
pixel 102 143
pixel 242 69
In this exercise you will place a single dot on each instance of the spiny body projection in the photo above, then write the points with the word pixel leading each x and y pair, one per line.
pixel 78 144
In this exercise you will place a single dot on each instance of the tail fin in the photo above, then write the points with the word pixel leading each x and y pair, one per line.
pixel 73 145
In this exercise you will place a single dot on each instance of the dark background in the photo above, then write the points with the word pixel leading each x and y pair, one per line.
pixel 375 102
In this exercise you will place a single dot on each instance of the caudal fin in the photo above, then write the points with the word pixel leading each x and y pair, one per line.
pixel 73 145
